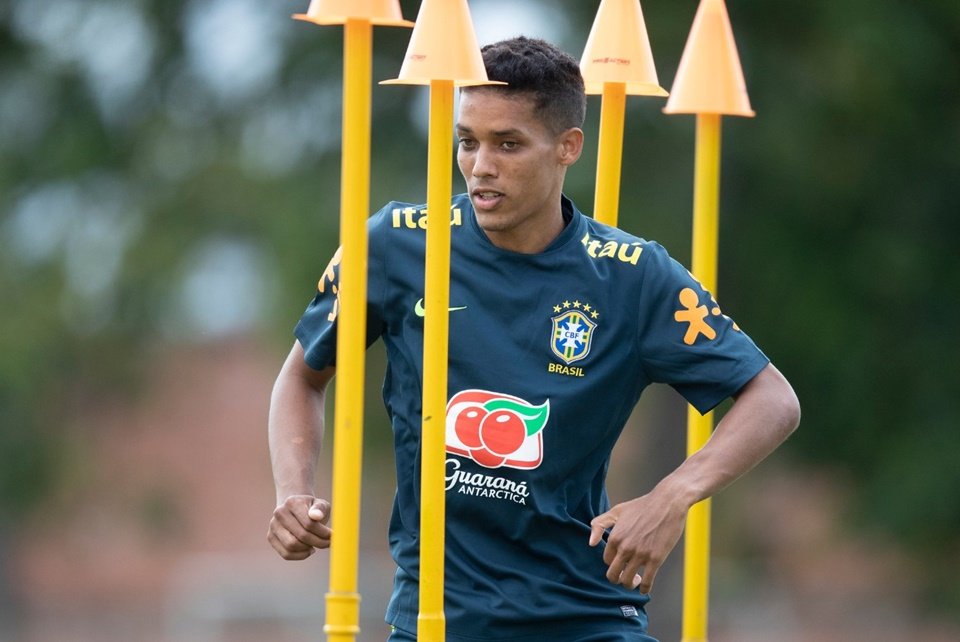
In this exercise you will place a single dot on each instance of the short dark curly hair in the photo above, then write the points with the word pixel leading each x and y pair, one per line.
pixel 543 71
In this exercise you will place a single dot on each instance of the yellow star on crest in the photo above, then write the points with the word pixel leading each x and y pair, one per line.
pixel 566 304
pixel 594 314
pixel 586 307
pixel 576 304
pixel 556 308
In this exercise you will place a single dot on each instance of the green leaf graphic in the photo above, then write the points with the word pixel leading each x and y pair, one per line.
pixel 534 417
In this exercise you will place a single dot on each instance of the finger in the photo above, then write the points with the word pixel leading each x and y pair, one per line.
pixel 294 556
pixel 616 566
pixel 288 541
pixel 625 569
pixel 311 523
pixel 630 577
pixel 303 529
pixel 317 529
pixel 596 532
pixel 615 553
pixel 597 528
pixel 649 574
pixel 296 552
pixel 613 574
pixel 319 511
pixel 599 524
pixel 288 547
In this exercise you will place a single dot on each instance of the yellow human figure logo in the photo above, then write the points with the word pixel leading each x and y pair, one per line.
pixel 330 275
pixel 695 315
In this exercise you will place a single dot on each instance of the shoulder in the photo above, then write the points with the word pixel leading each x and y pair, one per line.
pixel 395 215
pixel 398 217
pixel 602 241
pixel 397 231
pixel 393 228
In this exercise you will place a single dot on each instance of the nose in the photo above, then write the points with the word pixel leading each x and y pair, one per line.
pixel 484 165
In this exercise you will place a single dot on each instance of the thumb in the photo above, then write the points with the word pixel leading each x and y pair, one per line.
pixel 599 524
pixel 319 510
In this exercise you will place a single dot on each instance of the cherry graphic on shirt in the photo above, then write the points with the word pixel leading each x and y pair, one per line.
pixel 486 458
pixel 502 432
pixel 496 429
pixel 468 423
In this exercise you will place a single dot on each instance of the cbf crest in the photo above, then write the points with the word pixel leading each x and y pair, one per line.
pixel 573 331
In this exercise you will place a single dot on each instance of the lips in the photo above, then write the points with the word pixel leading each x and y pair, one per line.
pixel 486 198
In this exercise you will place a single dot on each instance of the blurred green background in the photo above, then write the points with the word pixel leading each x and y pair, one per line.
pixel 169 178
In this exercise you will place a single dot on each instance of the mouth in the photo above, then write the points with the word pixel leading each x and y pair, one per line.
pixel 486 199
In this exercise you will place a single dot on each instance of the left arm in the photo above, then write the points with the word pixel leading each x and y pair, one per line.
pixel 646 529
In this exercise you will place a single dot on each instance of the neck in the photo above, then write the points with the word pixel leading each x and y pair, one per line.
pixel 535 235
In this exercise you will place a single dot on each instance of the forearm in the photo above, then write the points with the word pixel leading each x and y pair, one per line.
pixel 295 427
pixel 764 414
pixel 295 434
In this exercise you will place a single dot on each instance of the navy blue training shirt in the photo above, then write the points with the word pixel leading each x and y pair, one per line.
pixel 548 355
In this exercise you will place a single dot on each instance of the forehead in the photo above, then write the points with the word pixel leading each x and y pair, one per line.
pixel 491 110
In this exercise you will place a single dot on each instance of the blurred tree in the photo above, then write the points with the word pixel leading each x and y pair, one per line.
pixel 169 171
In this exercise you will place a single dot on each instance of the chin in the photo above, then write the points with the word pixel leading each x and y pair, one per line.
pixel 491 222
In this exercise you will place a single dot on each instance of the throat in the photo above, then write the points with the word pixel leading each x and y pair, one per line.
pixel 532 236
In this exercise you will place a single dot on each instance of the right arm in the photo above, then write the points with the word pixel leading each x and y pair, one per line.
pixel 298 526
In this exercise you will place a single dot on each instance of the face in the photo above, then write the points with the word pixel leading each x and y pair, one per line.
pixel 514 168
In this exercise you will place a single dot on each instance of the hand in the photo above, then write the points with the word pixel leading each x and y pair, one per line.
pixel 644 531
pixel 299 527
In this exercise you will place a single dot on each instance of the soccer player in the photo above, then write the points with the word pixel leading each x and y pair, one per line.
pixel 557 324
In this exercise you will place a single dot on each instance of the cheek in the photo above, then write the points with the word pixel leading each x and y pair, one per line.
pixel 464 162
pixel 538 166
pixel 535 175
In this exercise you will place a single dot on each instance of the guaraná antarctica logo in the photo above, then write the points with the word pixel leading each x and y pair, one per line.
pixel 496 429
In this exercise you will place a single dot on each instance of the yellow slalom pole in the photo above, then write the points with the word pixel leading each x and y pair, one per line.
pixel 343 600
pixel 709 83
pixel 431 623
pixel 610 152
pixel 616 61
pixel 442 52
pixel 706 207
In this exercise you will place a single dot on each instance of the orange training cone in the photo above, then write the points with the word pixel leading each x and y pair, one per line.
pixel 336 12
pixel 618 50
pixel 443 46
pixel 709 79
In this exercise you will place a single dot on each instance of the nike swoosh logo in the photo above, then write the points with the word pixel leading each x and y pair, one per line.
pixel 419 311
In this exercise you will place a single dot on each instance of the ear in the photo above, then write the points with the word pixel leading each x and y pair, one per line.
pixel 570 146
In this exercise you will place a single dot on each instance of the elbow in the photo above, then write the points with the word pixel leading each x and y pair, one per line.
pixel 793 412
pixel 780 400
pixel 788 410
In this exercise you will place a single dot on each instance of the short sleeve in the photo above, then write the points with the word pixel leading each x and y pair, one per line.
pixel 684 338
pixel 317 329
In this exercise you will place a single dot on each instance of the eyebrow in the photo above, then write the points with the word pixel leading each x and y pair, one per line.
pixel 502 133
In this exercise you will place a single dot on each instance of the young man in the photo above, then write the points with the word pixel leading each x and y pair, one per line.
pixel 557 323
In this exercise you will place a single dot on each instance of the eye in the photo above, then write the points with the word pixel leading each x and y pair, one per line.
pixel 467 143
pixel 509 145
